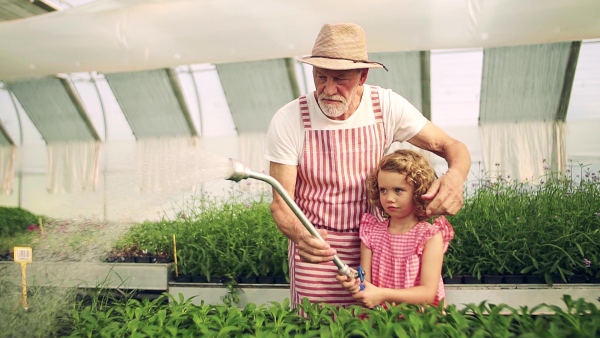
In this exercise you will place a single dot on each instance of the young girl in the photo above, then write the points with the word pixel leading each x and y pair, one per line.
pixel 401 256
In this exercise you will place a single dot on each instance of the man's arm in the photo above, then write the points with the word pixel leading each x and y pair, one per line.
pixel 446 193
pixel 310 248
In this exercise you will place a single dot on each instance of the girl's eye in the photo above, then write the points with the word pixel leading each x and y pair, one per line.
pixel 398 190
pixel 382 191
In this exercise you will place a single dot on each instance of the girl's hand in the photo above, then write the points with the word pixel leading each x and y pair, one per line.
pixel 370 297
pixel 351 285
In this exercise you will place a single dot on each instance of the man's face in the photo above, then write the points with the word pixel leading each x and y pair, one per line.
pixel 337 90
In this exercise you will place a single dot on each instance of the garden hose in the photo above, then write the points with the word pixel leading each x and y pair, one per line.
pixel 241 172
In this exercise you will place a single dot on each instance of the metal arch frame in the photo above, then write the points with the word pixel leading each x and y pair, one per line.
pixel 178 91
pixel 425 63
pixel 13 98
pixel 46 5
pixel 95 82
pixel 78 103
pixel 197 95
pixel 6 134
pixel 565 95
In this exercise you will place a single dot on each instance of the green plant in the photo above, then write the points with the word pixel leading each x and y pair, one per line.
pixel 46 314
pixel 178 317
pixel 546 229
pixel 15 220
pixel 235 237
pixel 18 227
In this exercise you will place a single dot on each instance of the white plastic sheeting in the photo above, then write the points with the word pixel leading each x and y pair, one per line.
pixel 127 35
pixel 150 103
pixel 522 108
pixel 55 109
pixel 405 76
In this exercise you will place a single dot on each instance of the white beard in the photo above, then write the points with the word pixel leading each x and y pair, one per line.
pixel 333 110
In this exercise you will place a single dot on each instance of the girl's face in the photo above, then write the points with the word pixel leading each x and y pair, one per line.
pixel 396 195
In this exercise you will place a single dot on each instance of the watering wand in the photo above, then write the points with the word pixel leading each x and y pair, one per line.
pixel 240 172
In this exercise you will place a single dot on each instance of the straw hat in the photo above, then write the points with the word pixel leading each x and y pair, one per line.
pixel 340 47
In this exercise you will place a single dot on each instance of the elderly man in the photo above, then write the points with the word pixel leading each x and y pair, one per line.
pixel 322 146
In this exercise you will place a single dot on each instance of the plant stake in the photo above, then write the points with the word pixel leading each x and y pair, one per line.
pixel 41 227
pixel 175 255
pixel 23 255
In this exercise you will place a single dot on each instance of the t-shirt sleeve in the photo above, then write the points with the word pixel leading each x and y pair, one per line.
pixel 367 224
pixel 284 136
pixel 403 120
pixel 442 226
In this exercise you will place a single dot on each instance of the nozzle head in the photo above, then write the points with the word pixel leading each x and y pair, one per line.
pixel 240 171
pixel 346 271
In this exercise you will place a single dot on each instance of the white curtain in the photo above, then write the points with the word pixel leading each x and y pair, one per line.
pixel 168 164
pixel 177 164
pixel 72 166
pixel 8 154
pixel 523 150
pixel 252 149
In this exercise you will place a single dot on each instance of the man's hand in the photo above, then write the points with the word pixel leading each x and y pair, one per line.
pixel 445 194
pixel 314 250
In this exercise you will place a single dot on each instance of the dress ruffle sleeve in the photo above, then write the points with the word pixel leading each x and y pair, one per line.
pixel 367 224
pixel 442 225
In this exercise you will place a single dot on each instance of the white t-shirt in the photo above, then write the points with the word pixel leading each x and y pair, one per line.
pixel 285 137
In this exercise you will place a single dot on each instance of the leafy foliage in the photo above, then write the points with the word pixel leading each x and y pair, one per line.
pixel 510 227
pixel 17 227
pixel 47 314
pixel 548 228
pixel 181 318
pixel 14 221
pixel 232 238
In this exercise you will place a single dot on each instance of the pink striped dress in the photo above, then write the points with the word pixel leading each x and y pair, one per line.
pixel 330 190
pixel 396 260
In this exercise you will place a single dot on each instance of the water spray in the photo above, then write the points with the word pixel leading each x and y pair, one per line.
pixel 241 172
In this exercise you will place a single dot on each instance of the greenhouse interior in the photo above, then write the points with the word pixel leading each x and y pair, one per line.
pixel 121 120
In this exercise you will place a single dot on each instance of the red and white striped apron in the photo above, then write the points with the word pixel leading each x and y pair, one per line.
pixel 330 190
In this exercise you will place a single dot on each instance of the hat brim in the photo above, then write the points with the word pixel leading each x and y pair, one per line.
pixel 337 64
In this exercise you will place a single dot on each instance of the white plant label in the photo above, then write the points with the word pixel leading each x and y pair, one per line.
pixel 23 254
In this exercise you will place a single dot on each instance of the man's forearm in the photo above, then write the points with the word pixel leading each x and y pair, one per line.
pixel 287 222
pixel 458 158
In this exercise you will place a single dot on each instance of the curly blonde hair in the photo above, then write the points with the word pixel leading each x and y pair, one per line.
pixel 419 174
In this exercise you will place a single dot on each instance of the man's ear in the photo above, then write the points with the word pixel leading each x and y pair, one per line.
pixel 363 76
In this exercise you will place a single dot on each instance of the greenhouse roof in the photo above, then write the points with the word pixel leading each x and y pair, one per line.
pixel 129 35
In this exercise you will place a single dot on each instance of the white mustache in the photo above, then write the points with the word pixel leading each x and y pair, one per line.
pixel 334 97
